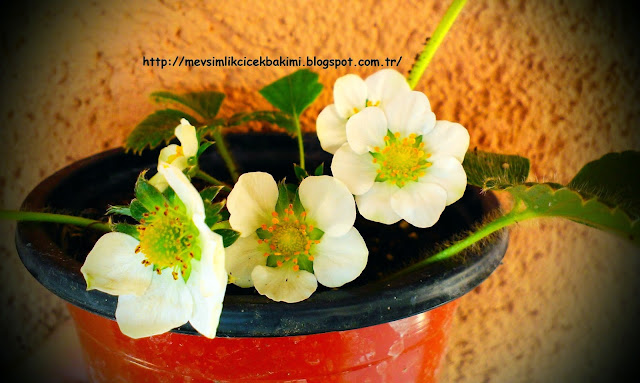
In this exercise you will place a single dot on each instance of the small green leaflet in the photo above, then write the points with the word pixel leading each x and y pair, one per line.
pixel 301 174
pixel 209 193
pixel 157 128
pixel 212 212
pixel 207 103
pixel 495 171
pixel 147 194
pixel 119 209
pixel 137 209
pixel 229 236
pixel 126 228
pixel 292 94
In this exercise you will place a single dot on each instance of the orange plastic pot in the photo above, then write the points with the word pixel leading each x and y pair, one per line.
pixel 373 329
pixel 407 350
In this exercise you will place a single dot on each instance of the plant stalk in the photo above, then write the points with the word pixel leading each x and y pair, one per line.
pixel 224 152
pixel 212 180
pixel 484 231
pixel 56 218
pixel 296 121
pixel 434 42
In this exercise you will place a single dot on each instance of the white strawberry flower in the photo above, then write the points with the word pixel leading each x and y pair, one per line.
pixel 288 245
pixel 177 155
pixel 401 163
pixel 174 274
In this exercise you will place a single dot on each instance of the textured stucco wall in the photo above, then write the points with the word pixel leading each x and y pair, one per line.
pixel 557 82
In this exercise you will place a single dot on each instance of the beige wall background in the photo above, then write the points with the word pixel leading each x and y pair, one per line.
pixel 557 82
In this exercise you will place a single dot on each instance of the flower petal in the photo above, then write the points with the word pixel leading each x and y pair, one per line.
pixel 357 171
pixel 252 201
pixel 186 133
pixel 447 139
pixel 375 205
pixel 242 257
pixel 165 305
pixel 206 310
pixel 113 266
pixel 331 130
pixel 410 112
pixel 449 174
pixel 349 95
pixel 328 203
pixel 212 260
pixel 283 284
pixel 385 85
pixel 183 188
pixel 159 182
pixel 167 153
pixel 420 204
pixel 366 130
pixel 339 260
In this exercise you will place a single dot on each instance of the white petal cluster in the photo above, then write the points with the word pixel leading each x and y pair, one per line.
pixel 412 176
pixel 150 303
pixel 177 155
pixel 338 257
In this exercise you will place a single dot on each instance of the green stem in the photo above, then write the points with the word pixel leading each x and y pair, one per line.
pixel 212 180
pixel 484 231
pixel 56 218
pixel 223 150
pixel 296 121
pixel 434 42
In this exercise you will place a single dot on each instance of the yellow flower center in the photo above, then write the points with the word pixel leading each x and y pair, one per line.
pixel 168 240
pixel 179 153
pixel 402 160
pixel 288 240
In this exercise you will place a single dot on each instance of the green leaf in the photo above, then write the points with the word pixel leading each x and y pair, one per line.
pixel 273 117
pixel 229 236
pixel 292 94
pixel 148 195
pixel 300 172
pixel 614 179
pixel 158 127
pixel 495 171
pixel 319 170
pixel 119 209
pixel 553 200
pixel 207 103
pixel 209 193
pixel 126 228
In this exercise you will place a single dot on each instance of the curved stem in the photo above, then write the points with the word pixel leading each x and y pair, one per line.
pixel 224 152
pixel 212 180
pixel 484 231
pixel 296 121
pixel 434 42
pixel 56 218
